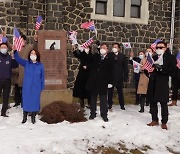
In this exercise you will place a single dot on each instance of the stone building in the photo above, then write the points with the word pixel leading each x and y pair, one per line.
pixel 139 22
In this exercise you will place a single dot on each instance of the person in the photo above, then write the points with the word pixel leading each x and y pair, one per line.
pixel 176 81
pixel 33 83
pixel 6 65
pixel 163 68
pixel 23 54
pixel 143 82
pixel 136 75
pixel 79 91
pixel 120 74
pixel 99 79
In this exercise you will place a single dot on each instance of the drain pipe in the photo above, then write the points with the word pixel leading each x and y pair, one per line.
pixel 172 26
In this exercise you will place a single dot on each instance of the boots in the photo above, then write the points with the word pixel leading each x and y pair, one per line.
pixel 141 110
pixel 174 103
pixel 33 117
pixel 24 117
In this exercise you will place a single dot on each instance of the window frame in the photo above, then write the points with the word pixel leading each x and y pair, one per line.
pixel 144 16
pixel 139 9
pixel 105 9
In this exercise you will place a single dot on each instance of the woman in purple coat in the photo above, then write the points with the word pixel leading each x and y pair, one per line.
pixel 33 83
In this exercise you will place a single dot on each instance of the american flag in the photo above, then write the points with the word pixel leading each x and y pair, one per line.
pixel 148 64
pixel 38 22
pixel 88 25
pixel 153 46
pixel 18 40
pixel 178 60
pixel 87 43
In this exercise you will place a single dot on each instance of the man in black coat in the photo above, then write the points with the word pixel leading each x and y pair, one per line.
pixel 6 65
pixel 176 82
pixel 99 78
pixel 163 68
pixel 120 74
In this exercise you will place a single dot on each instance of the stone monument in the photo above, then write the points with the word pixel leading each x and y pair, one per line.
pixel 52 47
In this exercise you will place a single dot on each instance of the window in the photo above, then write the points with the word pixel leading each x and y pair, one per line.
pixel 135 8
pixel 101 7
pixel 119 8
pixel 127 11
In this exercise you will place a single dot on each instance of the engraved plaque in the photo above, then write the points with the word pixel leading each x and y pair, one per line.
pixel 52 47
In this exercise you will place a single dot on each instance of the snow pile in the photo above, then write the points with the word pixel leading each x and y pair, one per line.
pixel 127 127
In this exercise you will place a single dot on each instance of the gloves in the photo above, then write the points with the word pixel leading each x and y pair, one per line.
pixel 158 67
pixel 110 85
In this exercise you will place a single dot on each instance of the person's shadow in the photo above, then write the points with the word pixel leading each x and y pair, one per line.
pixel 52 46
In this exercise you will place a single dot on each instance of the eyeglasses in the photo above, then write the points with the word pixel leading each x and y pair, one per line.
pixel 159 47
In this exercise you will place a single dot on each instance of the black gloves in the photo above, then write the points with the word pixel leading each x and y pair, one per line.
pixel 158 67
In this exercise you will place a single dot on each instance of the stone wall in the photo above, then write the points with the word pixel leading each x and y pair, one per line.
pixel 69 14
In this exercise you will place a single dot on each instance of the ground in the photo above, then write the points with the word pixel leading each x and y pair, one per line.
pixel 126 132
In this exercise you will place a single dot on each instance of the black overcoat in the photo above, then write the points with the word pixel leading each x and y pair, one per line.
pixel 120 69
pixel 83 74
pixel 101 74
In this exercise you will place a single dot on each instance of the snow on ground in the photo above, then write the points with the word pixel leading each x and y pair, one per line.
pixel 127 126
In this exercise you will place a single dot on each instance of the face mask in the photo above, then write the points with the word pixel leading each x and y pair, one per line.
pixel 115 50
pixel 149 54
pixel 33 57
pixel 141 56
pixel 159 51
pixel 103 51
pixel 86 50
pixel 3 51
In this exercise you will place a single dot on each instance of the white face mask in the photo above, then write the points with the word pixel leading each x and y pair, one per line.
pixel 33 57
pixel 160 51
pixel 102 51
pixel 115 50
pixel 141 56
pixel 86 50
pixel 3 51
pixel 149 54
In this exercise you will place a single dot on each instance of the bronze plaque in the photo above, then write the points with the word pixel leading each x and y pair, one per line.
pixel 52 47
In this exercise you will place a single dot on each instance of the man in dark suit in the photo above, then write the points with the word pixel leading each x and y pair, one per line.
pixel 120 74
pixel 99 78
pixel 164 67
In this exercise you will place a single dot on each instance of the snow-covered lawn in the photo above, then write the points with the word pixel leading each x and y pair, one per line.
pixel 124 127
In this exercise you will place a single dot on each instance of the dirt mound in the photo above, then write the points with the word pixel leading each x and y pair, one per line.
pixel 59 111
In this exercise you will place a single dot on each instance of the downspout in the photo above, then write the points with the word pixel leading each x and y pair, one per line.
pixel 172 32
pixel 172 26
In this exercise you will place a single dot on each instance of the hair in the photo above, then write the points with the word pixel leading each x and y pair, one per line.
pixel 4 44
pixel 23 36
pixel 104 44
pixel 150 48
pixel 162 42
pixel 140 52
pixel 37 54
pixel 117 44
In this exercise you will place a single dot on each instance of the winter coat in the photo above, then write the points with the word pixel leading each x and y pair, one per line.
pixel 158 88
pixel 143 81
pixel 33 83
pixel 6 65
pixel 24 54
pixel 83 74
pixel 120 69
pixel 100 75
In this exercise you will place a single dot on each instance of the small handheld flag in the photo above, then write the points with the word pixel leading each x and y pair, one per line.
pixel 87 43
pixel 72 36
pixel 153 46
pixel 178 60
pixel 148 64
pixel 18 40
pixel 136 66
pixel 38 22
pixel 88 25
pixel 126 45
